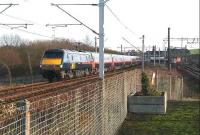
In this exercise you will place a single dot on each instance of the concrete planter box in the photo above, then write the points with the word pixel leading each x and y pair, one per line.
pixel 148 104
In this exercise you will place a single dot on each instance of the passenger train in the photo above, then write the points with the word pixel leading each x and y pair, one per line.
pixel 62 63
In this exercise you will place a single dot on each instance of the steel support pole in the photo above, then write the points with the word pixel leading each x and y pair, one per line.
pixel 142 53
pixel 95 43
pixel 169 60
pixel 154 55
pixel 101 39
pixel 159 56
pixel 121 49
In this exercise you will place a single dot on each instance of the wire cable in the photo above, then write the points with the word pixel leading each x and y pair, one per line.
pixel 17 18
pixel 29 32
pixel 75 18
pixel 119 20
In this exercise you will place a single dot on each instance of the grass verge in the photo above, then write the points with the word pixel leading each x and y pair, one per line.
pixel 182 118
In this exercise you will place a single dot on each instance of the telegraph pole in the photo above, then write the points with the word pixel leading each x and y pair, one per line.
pixel 142 53
pixel 95 44
pixel 121 49
pixel 159 56
pixel 169 63
pixel 101 39
pixel 154 53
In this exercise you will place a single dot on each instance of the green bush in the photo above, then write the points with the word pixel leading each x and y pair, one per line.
pixel 147 89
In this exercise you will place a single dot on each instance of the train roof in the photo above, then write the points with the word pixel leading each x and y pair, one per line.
pixel 86 52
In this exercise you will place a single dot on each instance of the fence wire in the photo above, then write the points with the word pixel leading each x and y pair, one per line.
pixel 95 109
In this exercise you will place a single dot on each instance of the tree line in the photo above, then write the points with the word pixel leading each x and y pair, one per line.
pixel 17 55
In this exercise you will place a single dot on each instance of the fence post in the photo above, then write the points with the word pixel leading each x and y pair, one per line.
pixel 76 111
pixel 103 121
pixel 182 88
pixel 23 106
pixel 170 86
pixel 156 79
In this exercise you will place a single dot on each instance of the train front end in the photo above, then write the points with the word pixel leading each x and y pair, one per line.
pixel 51 63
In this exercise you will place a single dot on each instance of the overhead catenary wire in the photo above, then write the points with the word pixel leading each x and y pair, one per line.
pixel 75 18
pixel 119 20
pixel 29 32
pixel 62 25
pixel 78 4
pixel 8 6
pixel 16 25
pixel 131 44
pixel 20 19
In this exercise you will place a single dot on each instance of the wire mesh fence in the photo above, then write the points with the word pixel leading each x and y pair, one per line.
pixel 98 108
pixel 173 82
pixel 94 109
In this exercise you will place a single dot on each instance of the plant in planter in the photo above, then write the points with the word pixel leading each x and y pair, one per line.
pixel 149 100
pixel 147 88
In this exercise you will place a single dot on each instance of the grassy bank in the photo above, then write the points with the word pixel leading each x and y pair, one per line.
pixel 182 118
pixel 195 51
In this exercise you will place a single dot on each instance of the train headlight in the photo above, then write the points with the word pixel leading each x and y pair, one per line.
pixel 61 66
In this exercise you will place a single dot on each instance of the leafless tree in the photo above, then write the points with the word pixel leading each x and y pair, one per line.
pixel 10 40
pixel 87 40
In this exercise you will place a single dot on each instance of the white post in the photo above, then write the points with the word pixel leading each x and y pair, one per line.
pixel 95 43
pixel 182 88
pixel 154 53
pixel 142 53
pixel 159 56
pixel 101 39
pixel 170 87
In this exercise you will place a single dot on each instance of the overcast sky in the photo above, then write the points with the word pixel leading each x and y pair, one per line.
pixel 148 17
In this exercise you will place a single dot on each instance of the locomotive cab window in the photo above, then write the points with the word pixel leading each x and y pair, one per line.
pixel 53 54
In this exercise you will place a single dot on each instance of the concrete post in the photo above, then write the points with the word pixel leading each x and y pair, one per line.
pixel 156 79
pixel 142 53
pixel 95 43
pixel 154 55
pixel 169 59
pixel 103 113
pixel 101 39
pixel 76 112
pixel 23 106
pixel 182 88
pixel 170 85
pixel 159 56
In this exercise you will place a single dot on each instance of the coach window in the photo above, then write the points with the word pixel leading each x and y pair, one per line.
pixel 72 57
pixel 86 58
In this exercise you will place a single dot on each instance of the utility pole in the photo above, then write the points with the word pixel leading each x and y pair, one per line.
pixel 30 66
pixel 169 62
pixel 121 49
pixel 101 39
pixel 154 54
pixel 159 56
pixel 142 53
pixel 185 54
pixel 95 44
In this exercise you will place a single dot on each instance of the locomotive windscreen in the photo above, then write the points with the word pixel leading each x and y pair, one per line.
pixel 53 54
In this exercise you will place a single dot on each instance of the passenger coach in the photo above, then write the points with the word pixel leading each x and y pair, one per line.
pixel 62 63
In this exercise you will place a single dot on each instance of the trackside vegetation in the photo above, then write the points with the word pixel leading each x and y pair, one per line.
pixel 18 54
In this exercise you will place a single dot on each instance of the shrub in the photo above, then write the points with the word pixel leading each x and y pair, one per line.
pixel 147 89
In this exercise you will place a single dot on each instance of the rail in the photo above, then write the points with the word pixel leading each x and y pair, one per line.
pixel 39 90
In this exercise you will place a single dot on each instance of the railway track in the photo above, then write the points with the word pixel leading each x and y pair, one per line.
pixel 39 90
pixel 192 70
